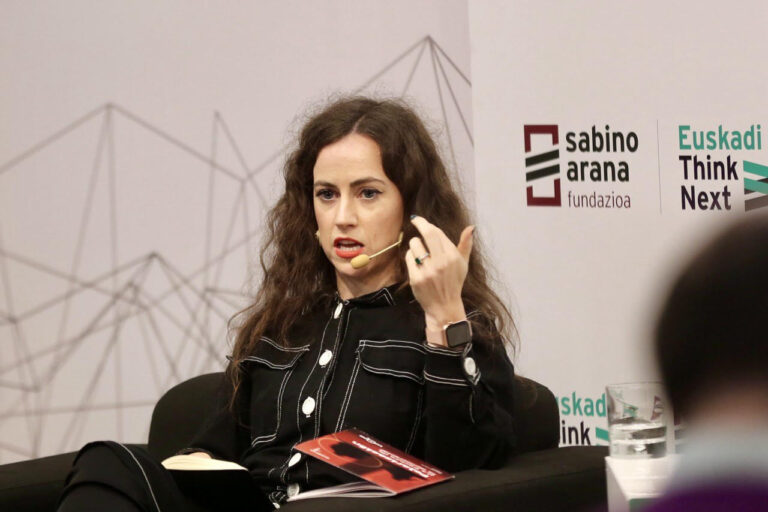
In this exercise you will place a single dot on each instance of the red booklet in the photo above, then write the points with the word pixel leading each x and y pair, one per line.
pixel 387 470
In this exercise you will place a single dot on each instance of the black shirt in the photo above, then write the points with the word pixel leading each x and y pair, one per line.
pixel 365 363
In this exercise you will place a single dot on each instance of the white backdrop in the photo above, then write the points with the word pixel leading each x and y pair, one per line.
pixel 586 281
pixel 141 144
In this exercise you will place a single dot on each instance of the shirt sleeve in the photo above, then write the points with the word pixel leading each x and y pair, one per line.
pixel 224 434
pixel 469 405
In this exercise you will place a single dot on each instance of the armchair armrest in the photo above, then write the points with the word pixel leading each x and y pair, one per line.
pixel 558 479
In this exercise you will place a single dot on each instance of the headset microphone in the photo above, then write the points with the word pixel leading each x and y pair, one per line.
pixel 362 260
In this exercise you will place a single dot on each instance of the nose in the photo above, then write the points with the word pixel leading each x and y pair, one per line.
pixel 346 214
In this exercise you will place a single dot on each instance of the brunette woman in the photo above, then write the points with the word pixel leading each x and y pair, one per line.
pixel 405 341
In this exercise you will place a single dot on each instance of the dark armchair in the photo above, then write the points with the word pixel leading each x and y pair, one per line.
pixel 541 477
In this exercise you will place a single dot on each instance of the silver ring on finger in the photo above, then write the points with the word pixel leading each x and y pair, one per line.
pixel 419 261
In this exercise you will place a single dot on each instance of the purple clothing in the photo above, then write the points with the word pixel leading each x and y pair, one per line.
pixel 743 496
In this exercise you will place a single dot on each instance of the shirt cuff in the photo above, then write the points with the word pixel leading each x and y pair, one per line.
pixel 451 367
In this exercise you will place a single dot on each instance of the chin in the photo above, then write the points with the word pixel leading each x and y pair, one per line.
pixel 345 268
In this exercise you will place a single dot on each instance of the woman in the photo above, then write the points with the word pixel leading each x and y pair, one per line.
pixel 405 347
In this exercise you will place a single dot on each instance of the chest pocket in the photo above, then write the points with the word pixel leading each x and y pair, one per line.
pixel 270 368
pixel 401 359
pixel 386 392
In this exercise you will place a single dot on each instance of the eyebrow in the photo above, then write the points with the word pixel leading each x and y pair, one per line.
pixel 355 183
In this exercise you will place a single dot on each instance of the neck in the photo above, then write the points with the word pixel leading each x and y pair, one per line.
pixel 739 406
pixel 351 287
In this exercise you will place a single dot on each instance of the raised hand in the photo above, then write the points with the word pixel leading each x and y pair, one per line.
pixel 437 273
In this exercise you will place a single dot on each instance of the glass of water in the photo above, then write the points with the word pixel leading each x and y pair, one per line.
pixel 636 421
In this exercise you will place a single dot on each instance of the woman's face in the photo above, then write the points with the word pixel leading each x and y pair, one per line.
pixel 358 210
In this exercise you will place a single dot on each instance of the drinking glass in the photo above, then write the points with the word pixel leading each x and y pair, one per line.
pixel 637 425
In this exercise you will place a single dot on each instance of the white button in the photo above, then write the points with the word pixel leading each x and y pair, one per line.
pixel 293 490
pixel 325 357
pixel 470 367
pixel 338 310
pixel 295 459
pixel 308 406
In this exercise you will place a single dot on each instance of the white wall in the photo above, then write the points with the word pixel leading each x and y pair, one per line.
pixel 140 146
pixel 586 282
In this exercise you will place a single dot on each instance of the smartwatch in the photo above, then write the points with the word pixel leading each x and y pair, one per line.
pixel 458 333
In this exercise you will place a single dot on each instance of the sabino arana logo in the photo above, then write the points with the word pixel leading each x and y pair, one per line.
pixel 543 167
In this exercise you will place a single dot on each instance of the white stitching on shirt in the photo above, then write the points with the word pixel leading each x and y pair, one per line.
pixel 445 380
pixel 143 473
pixel 393 344
pixel 375 296
pixel 394 373
pixel 416 422
pixel 380 344
pixel 376 344
pixel 442 351
pixel 336 355
pixel 332 367
pixel 284 465
pixel 303 348
pixel 263 439
pixel 336 349
pixel 299 401
pixel 277 366
pixel 347 396
pixel 269 437
pixel 309 375
pixel 271 364
pixel 333 373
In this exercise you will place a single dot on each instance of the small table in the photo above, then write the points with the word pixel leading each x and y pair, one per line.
pixel 633 483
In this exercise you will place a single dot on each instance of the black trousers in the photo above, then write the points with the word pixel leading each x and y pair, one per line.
pixel 107 475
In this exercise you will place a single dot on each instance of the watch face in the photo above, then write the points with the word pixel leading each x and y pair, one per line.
pixel 458 334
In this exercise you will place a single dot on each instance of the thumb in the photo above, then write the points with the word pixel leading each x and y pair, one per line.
pixel 465 242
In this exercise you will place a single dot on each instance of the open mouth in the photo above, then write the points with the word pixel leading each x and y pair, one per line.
pixel 347 247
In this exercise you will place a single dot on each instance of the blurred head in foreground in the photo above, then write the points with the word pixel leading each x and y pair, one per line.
pixel 712 335
pixel 712 349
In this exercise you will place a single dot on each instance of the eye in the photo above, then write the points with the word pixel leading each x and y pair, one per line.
pixel 325 194
pixel 370 193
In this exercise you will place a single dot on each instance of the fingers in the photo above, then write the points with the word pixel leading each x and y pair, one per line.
pixel 410 263
pixel 438 280
pixel 417 248
pixel 466 240
pixel 438 244
pixel 433 236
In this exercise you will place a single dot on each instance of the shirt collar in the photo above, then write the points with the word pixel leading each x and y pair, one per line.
pixel 398 293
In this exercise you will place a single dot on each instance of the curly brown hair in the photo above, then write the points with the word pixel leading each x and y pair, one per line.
pixel 411 160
